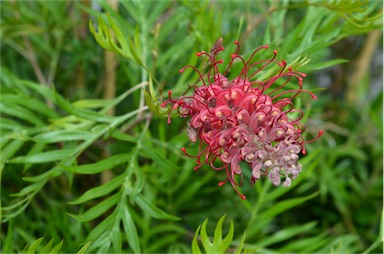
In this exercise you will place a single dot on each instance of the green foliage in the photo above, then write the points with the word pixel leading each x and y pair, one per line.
pixel 218 245
pixel 355 12
pixel 108 174
pixel 129 48
pixel 49 248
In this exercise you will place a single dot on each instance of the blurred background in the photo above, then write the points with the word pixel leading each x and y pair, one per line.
pixel 66 96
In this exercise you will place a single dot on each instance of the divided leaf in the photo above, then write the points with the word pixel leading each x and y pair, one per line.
pixel 219 245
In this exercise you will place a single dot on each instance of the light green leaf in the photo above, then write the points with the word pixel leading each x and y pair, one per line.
pixel 100 166
pixel 11 148
pixel 34 245
pixel 283 206
pixel 120 38
pixel 98 209
pixel 223 244
pixel 218 245
pixel 103 243
pixel 47 247
pixel 44 157
pixel 323 65
pixel 102 227
pixel 84 248
pixel 286 233
pixel 305 245
pixel 8 241
pixel 135 55
pixel 218 235
pixel 195 245
pixel 207 245
pixel 154 106
pixel 152 210
pixel 81 112
pixel 36 148
pixel 30 189
pixel 105 39
pixel 123 136
pixel 116 237
pixel 54 172
pixel 45 91
pixel 11 207
pixel 61 136
pixel 20 112
pixel 56 248
pixel 91 103
pixel 157 158
pixel 30 103
pixel 130 230
pixel 10 125
pixel 100 191
pixel 240 248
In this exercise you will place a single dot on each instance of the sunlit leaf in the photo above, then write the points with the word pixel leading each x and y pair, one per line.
pixel 20 112
pixel 57 247
pixel 44 157
pixel 34 104
pixel 82 112
pixel 61 136
pixel 101 165
pixel 218 245
pixel 84 248
pixel 195 245
pixel 33 247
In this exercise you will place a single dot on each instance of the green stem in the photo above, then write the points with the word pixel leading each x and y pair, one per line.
pixel 259 202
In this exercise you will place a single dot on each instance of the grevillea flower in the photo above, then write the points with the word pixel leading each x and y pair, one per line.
pixel 245 118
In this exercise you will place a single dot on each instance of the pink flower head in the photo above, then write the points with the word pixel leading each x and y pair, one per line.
pixel 245 119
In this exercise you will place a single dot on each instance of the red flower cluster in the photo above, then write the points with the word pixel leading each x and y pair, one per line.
pixel 238 120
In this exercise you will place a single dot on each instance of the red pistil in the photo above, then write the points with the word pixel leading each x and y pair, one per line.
pixel 198 72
